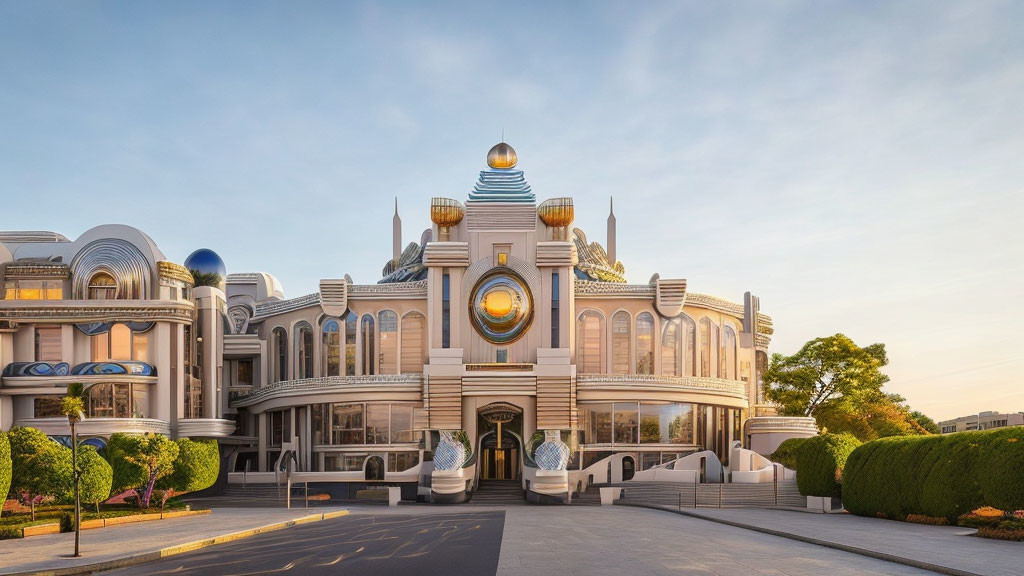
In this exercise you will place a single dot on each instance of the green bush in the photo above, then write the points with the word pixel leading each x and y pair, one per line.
pixel 939 476
pixel 5 466
pixel 820 461
pixel 40 466
pixel 126 475
pixel 10 532
pixel 195 468
pixel 786 453
pixel 97 476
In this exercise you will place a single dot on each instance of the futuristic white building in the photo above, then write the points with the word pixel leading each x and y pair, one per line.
pixel 503 347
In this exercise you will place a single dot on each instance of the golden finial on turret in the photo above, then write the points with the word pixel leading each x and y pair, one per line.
pixel 502 156
pixel 557 213
pixel 446 213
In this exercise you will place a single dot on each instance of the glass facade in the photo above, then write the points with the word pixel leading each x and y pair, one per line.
pixel 33 290
pixel 360 424
pixel 330 349
pixel 369 357
pixel 120 343
pixel 116 401
pixel 589 343
pixel 621 342
pixel 388 325
pixel 633 423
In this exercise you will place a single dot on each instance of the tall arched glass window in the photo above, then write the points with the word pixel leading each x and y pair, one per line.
pixel 280 354
pixel 330 349
pixel 304 350
pixel 414 343
pixel 620 342
pixel 644 343
pixel 689 346
pixel 388 322
pixel 369 349
pixel 670 348
pixel 705 347
pixel 589 343
pixel 729 353
pixel 716 333
pixel 351 328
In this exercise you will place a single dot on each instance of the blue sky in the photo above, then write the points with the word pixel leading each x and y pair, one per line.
pixel 857 165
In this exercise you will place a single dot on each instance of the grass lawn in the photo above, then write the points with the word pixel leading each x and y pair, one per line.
pixel 10 524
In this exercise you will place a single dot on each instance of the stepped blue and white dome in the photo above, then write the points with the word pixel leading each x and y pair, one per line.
pixel 501 183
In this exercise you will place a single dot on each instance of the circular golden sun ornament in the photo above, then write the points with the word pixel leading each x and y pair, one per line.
pixel 502 156
pixel 501 307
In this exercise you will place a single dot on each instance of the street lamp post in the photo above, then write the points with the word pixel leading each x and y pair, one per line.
pixel 72 406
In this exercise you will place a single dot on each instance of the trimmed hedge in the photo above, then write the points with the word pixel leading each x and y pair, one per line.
pixel 96 477
pixel 5 466
pixel 195 468
pixel 820 461
pixel 939 476
pixel 786 453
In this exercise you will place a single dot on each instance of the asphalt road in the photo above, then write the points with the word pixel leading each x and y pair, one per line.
pixel 421 545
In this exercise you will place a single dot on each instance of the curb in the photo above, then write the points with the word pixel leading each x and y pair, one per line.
pixel 816 541
pixel 179 548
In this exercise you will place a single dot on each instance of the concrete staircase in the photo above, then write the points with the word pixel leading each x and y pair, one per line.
pixel 498 493
pixel 591 497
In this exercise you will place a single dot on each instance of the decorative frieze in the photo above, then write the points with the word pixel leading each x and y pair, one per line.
pixel 452 254
pixel 390 382
pixel 721 386
pixel 83 312
pixel 556 254
pixel 498 216
pixel 172 271
pixel 46 270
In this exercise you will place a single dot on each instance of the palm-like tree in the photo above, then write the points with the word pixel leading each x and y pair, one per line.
pixel 72 405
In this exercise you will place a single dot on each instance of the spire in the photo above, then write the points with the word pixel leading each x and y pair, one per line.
pixel 396 235
pixel 610 240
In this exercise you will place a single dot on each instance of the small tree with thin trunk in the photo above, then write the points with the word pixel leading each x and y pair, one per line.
pixel 154 453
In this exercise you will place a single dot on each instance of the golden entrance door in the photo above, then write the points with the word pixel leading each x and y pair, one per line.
pixel 500 464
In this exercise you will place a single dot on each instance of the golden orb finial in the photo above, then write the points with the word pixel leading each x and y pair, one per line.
pixel 502 156
pixel 446 213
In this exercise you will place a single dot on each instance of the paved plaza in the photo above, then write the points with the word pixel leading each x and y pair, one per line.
pixel 528 540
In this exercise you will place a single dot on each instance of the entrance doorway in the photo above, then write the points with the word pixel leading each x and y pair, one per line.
pixel 500 425
pixel 628 468
pixel 374 468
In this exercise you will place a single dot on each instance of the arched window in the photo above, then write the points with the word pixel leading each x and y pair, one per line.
pixel 705 347
pixel 120 343
pixel 369 354
pixel 388 322
pixel 689 346
pixel 280 354
pixel 670 348
pixel 729 353
pixel 330 349
pixel 414 343
pixel 644 343
pixel 304 350
pixel 102 287
pixel 716 332
pixel 589 343
pixel 351 326
pixel 620 342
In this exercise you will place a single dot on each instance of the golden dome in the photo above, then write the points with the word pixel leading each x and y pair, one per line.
pixel 556 212
pixel 446 212
pixel 502 156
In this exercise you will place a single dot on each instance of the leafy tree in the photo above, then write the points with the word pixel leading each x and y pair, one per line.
pixel 195 468
pixel 650 429
pixel 41 467
pixel 127 474
pixel 155 454
pixel 5 466
pixel 96 476
pixel 824 370
pixel 206 278
pixel 925 422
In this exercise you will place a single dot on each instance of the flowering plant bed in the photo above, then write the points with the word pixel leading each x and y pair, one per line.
pixel 995 523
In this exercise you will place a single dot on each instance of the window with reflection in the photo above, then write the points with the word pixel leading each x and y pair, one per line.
pixel 627 418
pixel 47 407
pixel 716 334
pixel 670 348
pixel 388 323
pixel 645 343
pixel 120 400
pixel 729 352
pixel 280 424
pixel 369 355
pixel 102 287
pixel 351 328
pixel 414 343
pixel 304 350
pixel 279 339
pixel 589 343
pixel 401 424
pixel 330 349
pixel 402 461
pixel 347 424
pixel 33 290
pixel 120 343
pixel 377 425
pixel 357 424
pixel 620 342
pixel 596 423
pixel 666 423
pixel 760 367
pixel 705 347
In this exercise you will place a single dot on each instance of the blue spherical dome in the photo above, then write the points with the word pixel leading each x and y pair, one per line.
pixel 206 261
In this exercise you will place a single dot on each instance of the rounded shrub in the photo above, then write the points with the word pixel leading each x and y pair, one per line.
pixel 936 476
pixel 786 453
pixel 195 468
pixel 820 462
pixel 126 475
pixel 97 476
pixel 5 466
